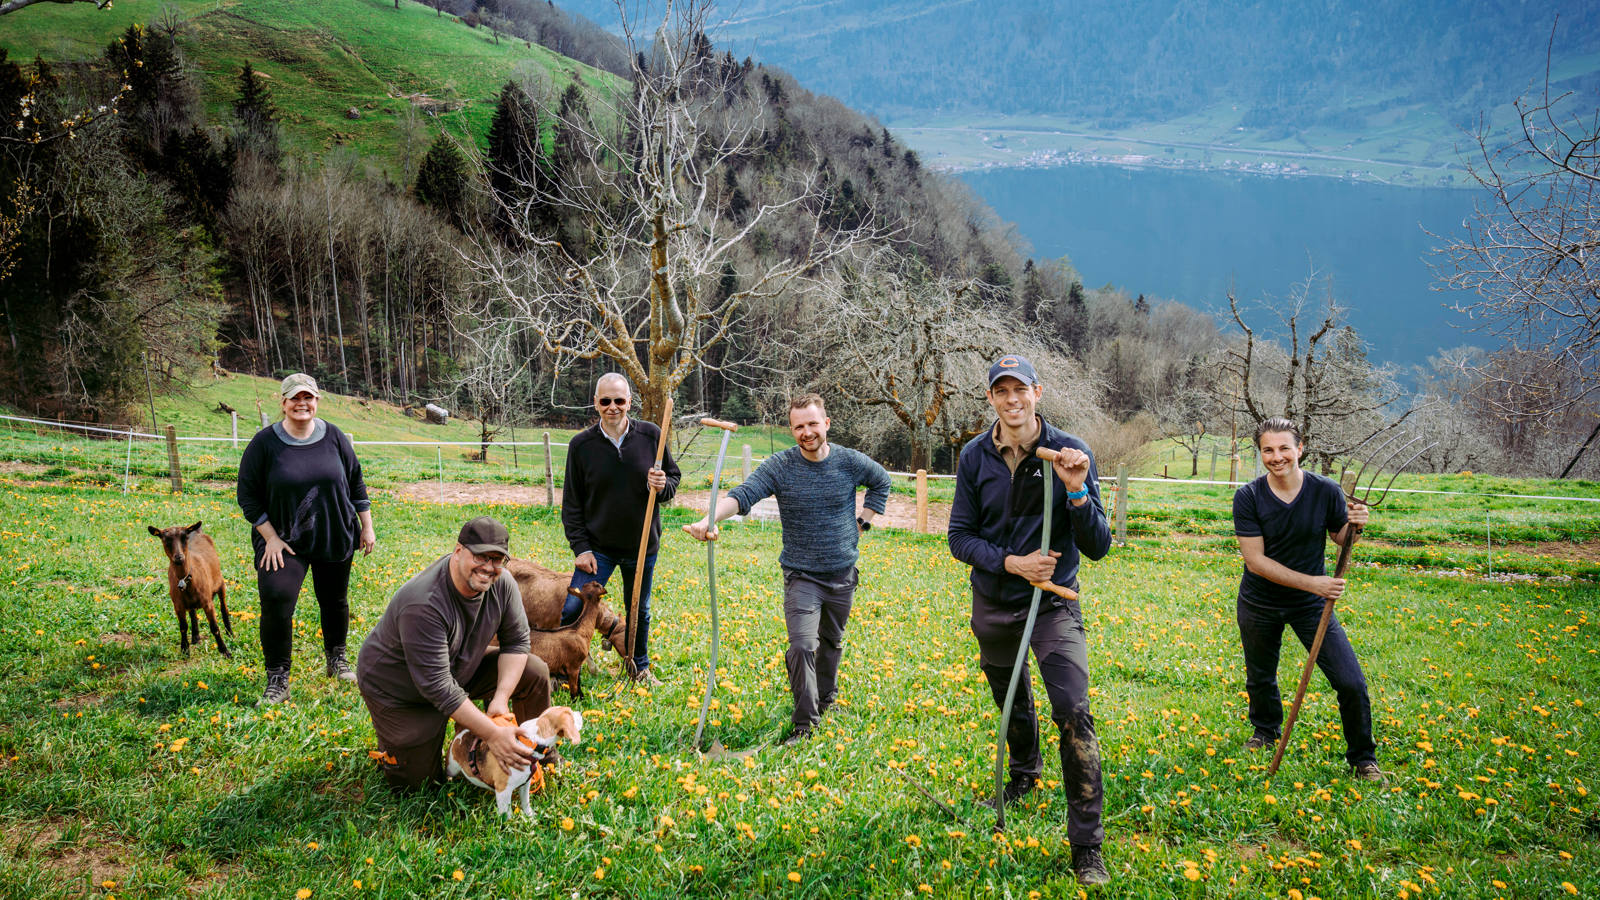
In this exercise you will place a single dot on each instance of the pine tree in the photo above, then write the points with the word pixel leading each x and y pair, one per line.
pixel 442 181
pixel 254 105
pixel 1075 324
pixel 514 157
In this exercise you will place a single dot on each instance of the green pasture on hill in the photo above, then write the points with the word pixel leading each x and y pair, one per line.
pixel 127 770
pixel 319 60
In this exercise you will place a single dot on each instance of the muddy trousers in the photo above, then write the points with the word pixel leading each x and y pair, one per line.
pixel 1061 651
pixel 413 734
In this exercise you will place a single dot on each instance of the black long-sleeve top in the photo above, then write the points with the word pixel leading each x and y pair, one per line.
pixel 310 492
pixel 605 492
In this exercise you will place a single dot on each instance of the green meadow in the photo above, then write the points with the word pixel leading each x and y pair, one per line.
pixel 320 60
pixel 127 770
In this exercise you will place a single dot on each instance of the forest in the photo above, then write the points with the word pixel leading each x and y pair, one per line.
pixel 704 224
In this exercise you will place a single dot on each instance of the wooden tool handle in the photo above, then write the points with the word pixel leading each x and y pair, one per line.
pixel 1046 454
pixel 1065 593
pixel 666 425
pixel 718 423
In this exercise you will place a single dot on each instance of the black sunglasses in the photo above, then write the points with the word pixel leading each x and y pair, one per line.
pixel 607 401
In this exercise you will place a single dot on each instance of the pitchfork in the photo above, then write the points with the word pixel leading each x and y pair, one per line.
pixel 1351 483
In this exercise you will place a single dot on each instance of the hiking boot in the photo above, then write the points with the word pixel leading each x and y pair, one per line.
pixel 1369 771
pixel 1259 741
pixel 337 667
pixel 277 687
pixel 647 678
pixel 1089 865
pixel 823 707
pixel 1015 790
pixel 796 735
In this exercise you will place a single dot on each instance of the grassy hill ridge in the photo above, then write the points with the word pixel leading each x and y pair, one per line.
pixel 320 60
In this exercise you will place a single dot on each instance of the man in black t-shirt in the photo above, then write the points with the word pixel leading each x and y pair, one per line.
pixel 1283 520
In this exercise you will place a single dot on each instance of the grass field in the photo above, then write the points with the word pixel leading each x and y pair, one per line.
pixel 319 61
pixel 130 771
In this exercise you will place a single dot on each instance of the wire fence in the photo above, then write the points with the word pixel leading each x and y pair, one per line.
pixel 1420 522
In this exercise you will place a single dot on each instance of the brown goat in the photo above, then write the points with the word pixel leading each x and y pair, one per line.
pixel 544 592
pixel 564 649
pixel 194 576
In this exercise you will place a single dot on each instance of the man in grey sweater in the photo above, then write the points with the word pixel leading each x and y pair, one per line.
pixel 815 483
pixel 428 659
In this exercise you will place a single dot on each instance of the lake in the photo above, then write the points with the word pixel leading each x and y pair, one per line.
pixel 1188 235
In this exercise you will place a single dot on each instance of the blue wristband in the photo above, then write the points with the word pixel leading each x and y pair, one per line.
pixel 1078 494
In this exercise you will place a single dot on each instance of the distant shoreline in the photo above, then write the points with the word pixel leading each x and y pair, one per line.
pixel 1360 178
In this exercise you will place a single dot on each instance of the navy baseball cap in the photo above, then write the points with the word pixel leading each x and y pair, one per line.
pixel 1013 366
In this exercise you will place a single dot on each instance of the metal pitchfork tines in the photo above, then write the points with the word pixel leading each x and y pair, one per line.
pixel 1351 483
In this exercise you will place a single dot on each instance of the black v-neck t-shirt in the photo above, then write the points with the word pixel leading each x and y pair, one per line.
pixel 1294 534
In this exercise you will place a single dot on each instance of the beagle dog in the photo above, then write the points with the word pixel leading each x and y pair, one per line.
pixel 469 758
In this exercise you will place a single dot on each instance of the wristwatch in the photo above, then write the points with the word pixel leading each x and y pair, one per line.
pixel 863 523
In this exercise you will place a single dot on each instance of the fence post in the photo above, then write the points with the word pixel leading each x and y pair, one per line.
pixel 438 453
pixel 234 415
pixel 549 474
pixel 172 460
pixel 262 414
pixel 1122 503
pixel 513 446
pixel 745 465
pixel 922 501
pixel 1233 469
pixel 1213 464
pixel 127 466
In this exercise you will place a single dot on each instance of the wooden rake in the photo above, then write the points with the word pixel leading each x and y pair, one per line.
pixel 1351 483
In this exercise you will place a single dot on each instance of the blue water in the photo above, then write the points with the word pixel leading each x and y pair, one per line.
pixel 1188 235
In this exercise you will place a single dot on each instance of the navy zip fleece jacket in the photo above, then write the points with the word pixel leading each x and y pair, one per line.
pixel 997 514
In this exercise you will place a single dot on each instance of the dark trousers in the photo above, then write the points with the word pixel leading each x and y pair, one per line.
pixel 280 590
pixel 413 735
pixel 1062 653
pixel 605 564
pixel 1261 632
pixel 815 610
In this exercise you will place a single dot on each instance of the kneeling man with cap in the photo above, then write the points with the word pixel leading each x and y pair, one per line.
pixel 428 659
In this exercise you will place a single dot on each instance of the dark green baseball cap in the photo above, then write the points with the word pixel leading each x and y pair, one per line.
pixel 485 535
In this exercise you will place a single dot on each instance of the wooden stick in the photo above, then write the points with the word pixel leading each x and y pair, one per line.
pixel 718 423
pixel 1064 593
pixel 1046 454
pixel 644 542
pixel 1316 643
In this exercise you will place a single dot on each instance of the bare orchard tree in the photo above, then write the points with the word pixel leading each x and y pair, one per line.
pixel 489 367
pixel 895 336
pixel 1188 413
pixel 1531 255
pixel 644 178
pixel 1328 386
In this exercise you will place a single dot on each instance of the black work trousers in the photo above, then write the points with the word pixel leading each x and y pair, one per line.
pixel 1062 653
pixel 1261 632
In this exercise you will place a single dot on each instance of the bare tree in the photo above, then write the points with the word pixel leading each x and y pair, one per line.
pixel 1323 379
pixel 644 178
pixel 895 336
pixel 1531 254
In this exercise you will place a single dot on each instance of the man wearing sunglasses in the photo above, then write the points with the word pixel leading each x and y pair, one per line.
pixel 428 659
pixel 611 468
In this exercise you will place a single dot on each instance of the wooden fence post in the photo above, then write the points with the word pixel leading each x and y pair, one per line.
pixel 922 501
pixel 234 414
pixel 745 465
pixel 549 474
pixel 1122 503
pixel 172 460
pixel 1213 464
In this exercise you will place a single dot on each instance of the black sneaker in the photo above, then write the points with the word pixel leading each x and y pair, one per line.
pixel 277 688
pixel 1369 771
pixel 796 735
pixel 338 667
pixel 1015 790
pixel 1260 741
pixel 1089 865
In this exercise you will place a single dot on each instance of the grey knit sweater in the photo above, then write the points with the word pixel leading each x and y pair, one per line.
pixel 817 502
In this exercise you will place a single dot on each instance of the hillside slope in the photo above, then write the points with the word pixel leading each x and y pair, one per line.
pixel 321 59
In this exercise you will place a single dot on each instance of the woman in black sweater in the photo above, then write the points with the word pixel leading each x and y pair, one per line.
pixel 300 487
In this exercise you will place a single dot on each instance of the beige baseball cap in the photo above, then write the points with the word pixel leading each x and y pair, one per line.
pixel 298 382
